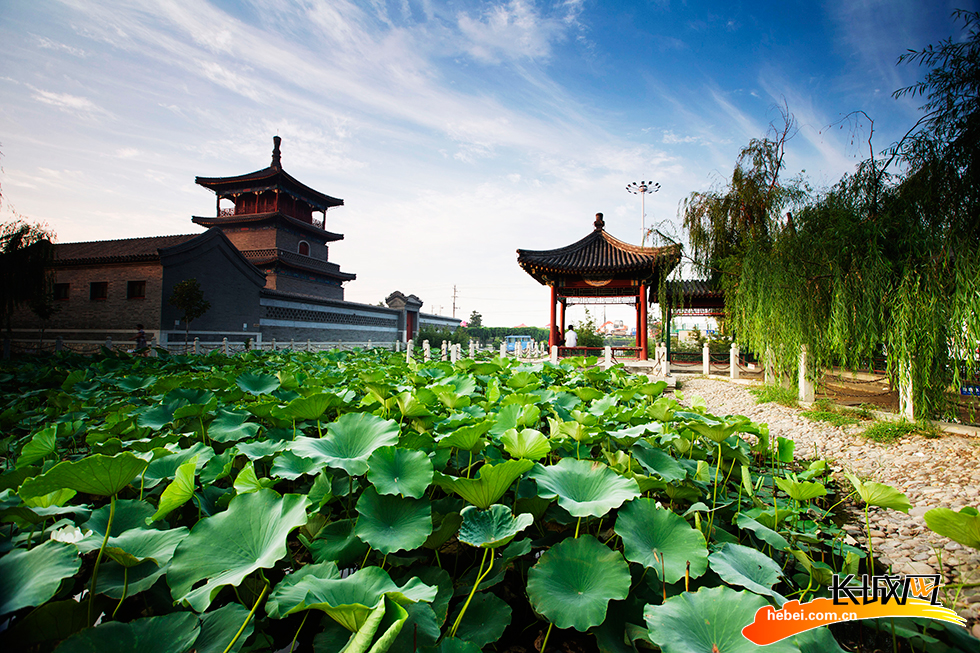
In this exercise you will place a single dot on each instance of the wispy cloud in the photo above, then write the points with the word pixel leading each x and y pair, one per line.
pixel 73 104
pixel 515 30
pixel 48 44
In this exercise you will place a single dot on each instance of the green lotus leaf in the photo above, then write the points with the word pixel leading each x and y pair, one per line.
pixel 289 466
pixel 962 526
pixel 172 633
pixel 223 549
pixel 165 467
pixel 526 443
pixel 410 406
pixel 156 417
pixel 137 545
pixel 714 429
pixel 312 407
pixel 349 442
pixel 420 631
pixel 443 528
pixel 572 582
pixel 491 528
pixel 257 384
pixel 390 523
pixel 231 426
pixel 878 494
pixel 33 577
pixel 710 620
pixel 178 492
pixel 97 474
pixel 130 513
pixel 587 393
pixel 661 540
pixel 583 488
pixel 659 462
pixel 247 481
pixel 466 438
pixel 746 567
pixel 763 532
pixel 380 629
pixel 261 448
pixel 393 470
pixel 349 601
pixel 218 628
pixel 491 483
pixel 450 397
pixel 336 542
pixel 289 595
pixel 485 620
pixel 50 623
pixel 654 389
pixel 41 444
pixel 455 645
pixel 801 490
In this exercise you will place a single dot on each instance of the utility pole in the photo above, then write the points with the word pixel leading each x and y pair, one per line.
pixel 454 300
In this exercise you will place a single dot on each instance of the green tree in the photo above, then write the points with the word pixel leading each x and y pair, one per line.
pixel 25 258
pixel 476 320
pixel 586 332
pixel 188 298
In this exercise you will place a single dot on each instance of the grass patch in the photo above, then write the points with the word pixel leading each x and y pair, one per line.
pixel 833 417
pixel 885 431
pixel 768 394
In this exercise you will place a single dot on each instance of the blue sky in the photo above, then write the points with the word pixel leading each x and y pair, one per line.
pixel 456 132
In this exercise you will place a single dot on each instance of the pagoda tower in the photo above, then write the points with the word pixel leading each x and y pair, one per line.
pixel 279 225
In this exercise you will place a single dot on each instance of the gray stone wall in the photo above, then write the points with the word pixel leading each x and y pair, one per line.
pixel 285 318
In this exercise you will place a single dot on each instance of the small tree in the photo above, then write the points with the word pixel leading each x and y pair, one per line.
pixel 586 332
pixel 188 298
pixel 476 320
pixel 25 256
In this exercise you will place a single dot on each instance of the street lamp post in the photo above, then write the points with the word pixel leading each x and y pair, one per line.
pixel 641 188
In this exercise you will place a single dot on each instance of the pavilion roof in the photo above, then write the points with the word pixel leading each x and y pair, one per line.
pixel 599 255
pixel 271 178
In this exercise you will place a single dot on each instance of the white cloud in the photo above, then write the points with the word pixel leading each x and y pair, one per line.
pixel 74 104
pixel 48 44
pixel 515 30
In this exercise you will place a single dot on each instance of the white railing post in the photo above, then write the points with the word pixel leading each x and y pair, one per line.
pixel 706 359
pixel 608 355
pixel 554 354
pixel 733 362
pixel 445 350
pixel 906 403
pixel 273 344
pixel 503 350
pixel 108 342
pixel 472 348
pixel 408 351
pixel 426 351
pixel 369 344
pixel 805 382
pixel 224 346
pixel 454 353
pixel 197 346
pixel 59 344
pixel 309 345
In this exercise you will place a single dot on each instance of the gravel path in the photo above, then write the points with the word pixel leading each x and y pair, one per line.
pixel 931 473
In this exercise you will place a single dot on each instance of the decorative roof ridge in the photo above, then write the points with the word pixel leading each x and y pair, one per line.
pixel 331 236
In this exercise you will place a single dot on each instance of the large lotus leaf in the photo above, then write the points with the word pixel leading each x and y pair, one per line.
pixel 336 542
pixel 349 442
pixel 178 492
pixel 129 513
pixel 40 445
pixel 454 645
pixel 661 540
pixel 764 533
pixel 658 461
pixel 115 579
pixel 289 466
pixel 485 620
pixel 878 494
pixel 573 582
pixel 312 407
pixel 394 470
pixel 710 620
pixel 223 549
pixel 962 526
pixel 714 429
pixel 584 488
pixel 349 601
pixel 493 527
pixel 380 630
pixel 526 443
pixel 420 631
pixel 50 623
pixel 390 523
pixel 230 426
pixel 466 438
pixel 172 633
pixel 257 384
pixel 261 448
pixel 156 417
pixel 97 474
pixel 801 490
pixel 289 594
pixel 747 567
pixel 165 467
pixel 136 545
pixel 33 577
pixel 491 483
pixel 219 627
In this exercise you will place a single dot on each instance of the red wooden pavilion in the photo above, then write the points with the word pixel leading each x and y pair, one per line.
pixel 600 269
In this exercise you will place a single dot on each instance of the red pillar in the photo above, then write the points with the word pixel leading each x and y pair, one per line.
pixel 561 321
pixel 553 335
pixel 642 330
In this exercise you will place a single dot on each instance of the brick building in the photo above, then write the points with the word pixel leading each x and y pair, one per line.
pixel 263 264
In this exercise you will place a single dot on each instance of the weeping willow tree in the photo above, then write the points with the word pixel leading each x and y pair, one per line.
pixel 880 263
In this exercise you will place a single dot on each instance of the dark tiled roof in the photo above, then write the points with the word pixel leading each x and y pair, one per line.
pixel 694 289
pixel 268 179
pixel 128 250
pixel 598 254
pixel 294 260
pixel 209 222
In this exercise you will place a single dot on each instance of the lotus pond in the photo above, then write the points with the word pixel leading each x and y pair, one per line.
pixel 357 502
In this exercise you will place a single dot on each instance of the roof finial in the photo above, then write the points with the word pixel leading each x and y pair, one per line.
pixel 276 160
pixel 599 222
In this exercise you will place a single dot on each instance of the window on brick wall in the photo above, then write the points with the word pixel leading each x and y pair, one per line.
pixel 61 292
pixel 304 248
pixel 98 290
pixel 135 290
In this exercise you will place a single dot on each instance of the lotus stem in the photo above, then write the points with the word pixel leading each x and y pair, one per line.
pixel 546 635
pixel 366 554
pixel 577 524
pixel 98 558
pixel 125 587
pixel 292 644
pixel 248 618
pixel 871 551
pixel 479 578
